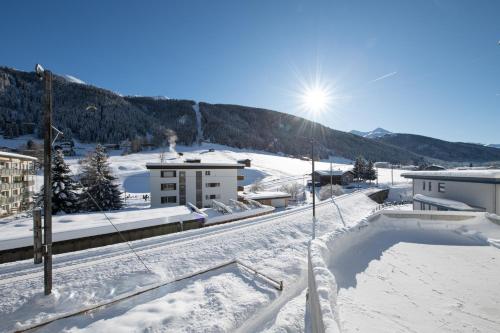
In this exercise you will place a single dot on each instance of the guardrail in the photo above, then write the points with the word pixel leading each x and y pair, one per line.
pixel 391 204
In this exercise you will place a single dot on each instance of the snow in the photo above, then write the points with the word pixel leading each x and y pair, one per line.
pixel 408 271
pixel 265 195
pixel 73 79
pixel 199 130
pixel 220 301
pixel 18 232
pixel 19 156
pixel 450 204
pixel 485 173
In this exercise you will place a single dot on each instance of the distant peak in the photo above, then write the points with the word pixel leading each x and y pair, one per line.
pixel 376 133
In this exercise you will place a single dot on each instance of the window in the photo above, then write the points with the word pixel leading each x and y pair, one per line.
pixel 169 199
pixel 212 185
pixel 423 185
pixel 207 173
pixel 430 186
pixel 441 187
pixel 169 187
pixel 212 196
pixel 168 174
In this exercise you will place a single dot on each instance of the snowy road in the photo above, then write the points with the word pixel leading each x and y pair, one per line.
pixel 275 245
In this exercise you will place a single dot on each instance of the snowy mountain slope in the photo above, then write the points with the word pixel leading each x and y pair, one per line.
pixel 73 79
pixel 494 145
pixel 376 133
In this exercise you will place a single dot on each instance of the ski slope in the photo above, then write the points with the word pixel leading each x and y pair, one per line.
pixel 221 301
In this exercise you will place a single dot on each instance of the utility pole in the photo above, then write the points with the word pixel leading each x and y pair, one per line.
pixel 47 179
pixel 313 184
pixel 392 174
pixel 331 180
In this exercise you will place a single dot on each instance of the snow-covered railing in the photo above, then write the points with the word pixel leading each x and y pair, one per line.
pixel 391 204
pixel 239 204
pixel 220 207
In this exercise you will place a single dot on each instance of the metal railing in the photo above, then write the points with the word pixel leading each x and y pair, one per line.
pixel 16 172
pixel 391 204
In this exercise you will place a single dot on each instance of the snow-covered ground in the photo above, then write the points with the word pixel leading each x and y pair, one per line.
pixel 221 301
pixel 409 272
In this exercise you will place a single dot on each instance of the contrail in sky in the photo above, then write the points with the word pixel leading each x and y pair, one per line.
pixel 384 76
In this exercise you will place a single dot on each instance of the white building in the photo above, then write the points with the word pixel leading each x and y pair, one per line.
pixel 477 190
pixel 174 184
pixel 16 182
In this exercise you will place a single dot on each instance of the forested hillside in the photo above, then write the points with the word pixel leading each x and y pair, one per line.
pixel 442 150
pixel 92 114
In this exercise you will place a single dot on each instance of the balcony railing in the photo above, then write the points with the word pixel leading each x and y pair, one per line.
pixel 4 172
pixel 12 186
pixel 9 200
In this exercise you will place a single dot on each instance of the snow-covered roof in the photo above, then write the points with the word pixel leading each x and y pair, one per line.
pixel 266 195
pixel 333 172
pixel 477 176
pixel 194 166
pixel 444 203
pixel 19 156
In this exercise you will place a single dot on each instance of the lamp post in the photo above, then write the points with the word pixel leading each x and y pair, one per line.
pixel 46 76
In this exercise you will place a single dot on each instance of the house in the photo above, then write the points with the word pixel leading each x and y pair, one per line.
pixel 247 162
pixel 337 177
pixel 16 182
pixel 434 167
pixel 175 184
pixel 462 190
pixel 274 199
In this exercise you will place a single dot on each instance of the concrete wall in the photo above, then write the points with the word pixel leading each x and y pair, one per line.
pixel 474 194
pixel 227 190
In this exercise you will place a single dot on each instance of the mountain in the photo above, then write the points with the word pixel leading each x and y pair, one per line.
pixel 493 145
pixel 376 133
pixel 440 149
pixel 146 121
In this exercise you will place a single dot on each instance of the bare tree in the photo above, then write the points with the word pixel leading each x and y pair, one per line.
pixel 296 191
pixel 327 192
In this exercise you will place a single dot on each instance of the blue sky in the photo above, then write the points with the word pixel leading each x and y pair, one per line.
pixel 424 67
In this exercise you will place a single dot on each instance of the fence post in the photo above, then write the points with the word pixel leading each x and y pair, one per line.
pixel 37 235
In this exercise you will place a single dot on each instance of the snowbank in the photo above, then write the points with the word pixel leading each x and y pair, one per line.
pixel 335 259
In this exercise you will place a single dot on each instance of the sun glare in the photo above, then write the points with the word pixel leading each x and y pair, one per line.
pixel 316 99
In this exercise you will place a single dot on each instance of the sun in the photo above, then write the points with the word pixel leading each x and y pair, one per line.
pixel 316 99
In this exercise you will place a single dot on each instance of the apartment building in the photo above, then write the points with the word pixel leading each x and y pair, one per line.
pixel 466 190
pixel 173 184
pixel 17 173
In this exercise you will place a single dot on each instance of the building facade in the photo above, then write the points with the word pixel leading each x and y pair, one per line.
pixel 337 177
pixel 478 189
pixel 173 184
pixel 17 182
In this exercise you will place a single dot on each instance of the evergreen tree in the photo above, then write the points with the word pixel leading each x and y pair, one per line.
pixel 64 195
pixel 359 168
pixel 100 192
pixel 370 172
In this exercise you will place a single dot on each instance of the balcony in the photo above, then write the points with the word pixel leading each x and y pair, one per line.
pixel 9 200
pixel 12 186
pixel 11 172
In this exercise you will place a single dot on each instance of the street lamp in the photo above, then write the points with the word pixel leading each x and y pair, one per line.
pixel 315 99
pixel 46 76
